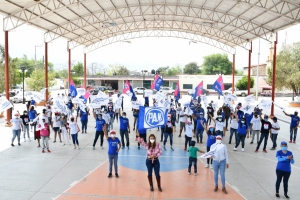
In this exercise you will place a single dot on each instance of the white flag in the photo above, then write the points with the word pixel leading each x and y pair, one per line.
pixel 58 102
pixel 192 91
pixel 118 103
pixel 43 91
pixel 4 104
pixel 37 97
pixel 204 100
pixel 160 95
pixel 136 105
pixel 188 111
pixel 280 107
pixel 247 108
pixel 77 101
pixel 80 91
pixel 265 104
pixel 98 101
pixel 148 93
pixel 250 98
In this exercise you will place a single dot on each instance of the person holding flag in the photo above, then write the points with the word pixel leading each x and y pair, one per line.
pixel 198 90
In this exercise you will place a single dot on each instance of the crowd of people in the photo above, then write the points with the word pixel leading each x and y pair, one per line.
pixel 194 121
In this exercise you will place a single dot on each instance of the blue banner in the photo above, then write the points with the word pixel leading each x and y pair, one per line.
pixel 152 117
pixel 159 82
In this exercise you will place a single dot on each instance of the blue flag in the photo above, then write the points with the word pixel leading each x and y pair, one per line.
pixel 73 90
pixel 159 81
pixel 133 98
pixel 219 85
pixel 152 117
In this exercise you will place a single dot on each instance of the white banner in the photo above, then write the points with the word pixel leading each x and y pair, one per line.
pixel 98 101
pixel 148 93
pixel 100 93
pixel 160 95
pixel 43 91
pixel 192 91
pixel 167 104
pixel 136 104
pixel 265 104
pixel 207 155
pixel 37 97
pixel 80 91
pixel 250 98
pixel 77 101
pixel 247 108
pixel 118 103
pixel 188 111
pixel 4 104
pixel 82 107
pixel 280 107
pixel 227 100
pixel 204 100
pixel 58 102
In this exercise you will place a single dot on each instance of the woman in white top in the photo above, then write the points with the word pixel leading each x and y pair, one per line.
pixel 16 128
pixel 188 132
pixel 64 130
pixel 233 127
pixel 220 125
pixel 220 162
pixel 73 131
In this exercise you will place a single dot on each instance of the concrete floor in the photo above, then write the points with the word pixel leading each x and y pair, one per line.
pixel 26 173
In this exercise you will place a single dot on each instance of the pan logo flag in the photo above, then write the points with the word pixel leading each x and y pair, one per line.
pixel 177 91
pixel 151 117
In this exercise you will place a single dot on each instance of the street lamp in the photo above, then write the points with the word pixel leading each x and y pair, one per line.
pixel 144 73
pixel 23 69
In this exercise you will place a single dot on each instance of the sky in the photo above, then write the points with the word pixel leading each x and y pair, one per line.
pixel 141 54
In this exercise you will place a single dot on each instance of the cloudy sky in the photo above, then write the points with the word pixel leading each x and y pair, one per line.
pixel 143 53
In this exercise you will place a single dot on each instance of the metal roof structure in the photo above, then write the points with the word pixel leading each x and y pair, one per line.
pixel 92 24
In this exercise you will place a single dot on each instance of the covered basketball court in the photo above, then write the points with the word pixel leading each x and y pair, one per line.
pixel 93 24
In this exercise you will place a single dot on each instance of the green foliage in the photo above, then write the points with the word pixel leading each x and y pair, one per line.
pixel 175 70
pixel 217 63
pixel 192 68
pixel 287 68
pixel 242 84
pixel 37 80
pixel 61 74
pixel 120 70
pixel 163 70
pixel 238 72
pixel 78 69
pixel 76 81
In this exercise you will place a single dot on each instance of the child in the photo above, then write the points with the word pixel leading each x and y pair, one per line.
pixel 114 146
pixel 73 131
pixel 211 139
pixel 193 156
pixel 44 131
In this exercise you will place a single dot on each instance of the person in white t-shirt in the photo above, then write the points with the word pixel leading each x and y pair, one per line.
pixel 56 126
pixel 274 132
pixel 220 125
pixel 73 131
pixel 188 132
pixel 233 127
pixel 178 110
pixel 255 127
pixel 182 120
pixel 16 128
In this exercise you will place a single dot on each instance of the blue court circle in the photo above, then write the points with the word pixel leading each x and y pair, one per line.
pixel 169 160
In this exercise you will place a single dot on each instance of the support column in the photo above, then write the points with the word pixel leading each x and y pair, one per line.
pixel 249 69
pixel 84 70
pixel 46 71
pixel 69 68
pixel 274 74
pixel 6 60
pixel 233 71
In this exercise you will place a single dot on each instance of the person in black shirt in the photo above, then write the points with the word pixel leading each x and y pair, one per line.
pixel 25 119
pixel 168 131
pixel 210 112
pixel 266 127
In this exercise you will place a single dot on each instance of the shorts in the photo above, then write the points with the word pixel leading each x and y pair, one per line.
pixel 173 122
pixel 56 129
pixel 182 125
pixel 37 135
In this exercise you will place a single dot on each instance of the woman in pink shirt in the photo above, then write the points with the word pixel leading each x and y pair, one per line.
pixel 44 132
pixel 152 162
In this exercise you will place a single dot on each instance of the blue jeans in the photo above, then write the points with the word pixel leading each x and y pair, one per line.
pixel 219 166
pixel 26 129
pixel 113 160
pixel 75 138
pixel 124 133
pixel 233 131
pixel 84 125
pixel 293 132
pixel 166 138
pixel 219 133
pixel 274 138
pixel 16 133
pixel 199 133
pixel 192 161
pixel 153 165
pixel 240 138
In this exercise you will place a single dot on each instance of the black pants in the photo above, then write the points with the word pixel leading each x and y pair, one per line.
pixel 209 119
pixel 207 150
pixel 263 136
pixel 101 134
pixel 187 141
pixel 116 116
pixel 285 175
pixel 124 133
pixel 144 136
pixel 192 161
pixel 195 124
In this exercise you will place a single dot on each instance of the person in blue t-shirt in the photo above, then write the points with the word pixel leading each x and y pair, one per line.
pixel 201 124
pixel 248 120
pixel 294 126
pixel 211 139
pixel 84 119
pixel 241 133
pixel 70 106
pixel 32 102
pixel 239 113
pixel 124 129
pixel 114 146
pixel 100 129
pixel 32 115
pixel 283 169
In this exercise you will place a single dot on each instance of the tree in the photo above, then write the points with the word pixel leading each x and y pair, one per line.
pixel 287 68
pixel 163 70
pixel 191 68
pixel 217 63
pixel 238 72
pixel 61 74
pixel 119 70
pixel 36 81
pixel 175 70
pixel 242 84
pixel 78 69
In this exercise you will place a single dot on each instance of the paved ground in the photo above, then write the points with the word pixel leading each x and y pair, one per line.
pixel 26 173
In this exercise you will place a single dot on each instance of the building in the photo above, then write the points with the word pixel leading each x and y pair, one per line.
pixel 262 70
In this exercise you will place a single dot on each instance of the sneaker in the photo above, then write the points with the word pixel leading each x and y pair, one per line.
pixel 117 175
pixel 172 149
pixel 272 148
pixel 24 140
pixel 139 148
pixel 234 149
pixel 277 195
pixel 196 174
pixel 184 149
pixel 63 144
pixel 49 151
pixel 102 147
pixel 19 144
pixel 43 151
pixel 54 141
pixel 290 141
pixel 29 140
pixel 294 142
pixel 286 196
pixel 123 147
pixel 211 166
pixel 265 151
pixel 94 148
pixel 128 147
pixel 207 166
pixel 109 175
pixel 12 145
pixel 179 135
pixel 229 142
pixel 189 173
pixel 243 149
pixel 165 148
pixel 256 150
pixel 251 142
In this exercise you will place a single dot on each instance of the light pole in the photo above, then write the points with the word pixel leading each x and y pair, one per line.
pixel 23 69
